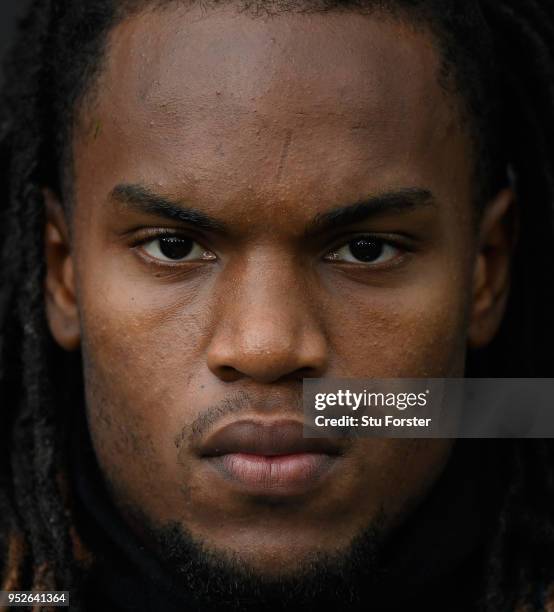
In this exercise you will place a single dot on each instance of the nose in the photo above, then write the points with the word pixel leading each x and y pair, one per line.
pixel 267 328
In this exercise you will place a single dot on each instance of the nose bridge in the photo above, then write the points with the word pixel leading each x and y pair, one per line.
pixel 268 306
pixel 270 292
pixel 266 327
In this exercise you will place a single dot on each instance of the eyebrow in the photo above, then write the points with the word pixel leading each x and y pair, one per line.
pixel 403 200
pixel 141 199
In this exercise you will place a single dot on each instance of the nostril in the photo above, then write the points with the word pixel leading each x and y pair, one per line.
pixel 228 373
pixel 308 372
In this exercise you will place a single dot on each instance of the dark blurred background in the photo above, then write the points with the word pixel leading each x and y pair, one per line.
pixel 10 11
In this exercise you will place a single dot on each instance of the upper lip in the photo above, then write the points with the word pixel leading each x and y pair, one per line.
pixel 269 439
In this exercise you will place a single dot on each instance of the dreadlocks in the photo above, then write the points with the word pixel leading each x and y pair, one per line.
pixel 502 55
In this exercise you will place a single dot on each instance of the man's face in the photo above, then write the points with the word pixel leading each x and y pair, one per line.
pixel 196 330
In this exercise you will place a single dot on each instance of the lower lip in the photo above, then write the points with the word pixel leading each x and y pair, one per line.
pixel 279 474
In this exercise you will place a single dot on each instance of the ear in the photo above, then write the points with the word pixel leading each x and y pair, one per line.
pixel 61 303
pixel 492 270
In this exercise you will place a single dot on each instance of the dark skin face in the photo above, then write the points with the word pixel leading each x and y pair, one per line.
pixel 265 126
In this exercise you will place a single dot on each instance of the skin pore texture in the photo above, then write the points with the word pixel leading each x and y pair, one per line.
pixel 258 128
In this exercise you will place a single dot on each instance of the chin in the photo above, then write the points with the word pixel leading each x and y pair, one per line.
pixel 276 556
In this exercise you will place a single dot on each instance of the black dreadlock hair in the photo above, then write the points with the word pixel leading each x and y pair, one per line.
pixel 501 53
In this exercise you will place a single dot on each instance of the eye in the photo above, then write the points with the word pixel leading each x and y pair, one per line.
pixel 365 249
pixel 173 248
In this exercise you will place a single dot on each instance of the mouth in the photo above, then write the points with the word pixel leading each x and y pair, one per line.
pixel 270 458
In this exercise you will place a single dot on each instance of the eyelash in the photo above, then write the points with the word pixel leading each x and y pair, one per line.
pixel 157 235
pixel 384 242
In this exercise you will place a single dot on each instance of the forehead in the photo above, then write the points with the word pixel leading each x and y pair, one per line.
pixel 215 104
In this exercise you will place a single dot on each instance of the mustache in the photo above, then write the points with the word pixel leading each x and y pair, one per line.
pixel 241 402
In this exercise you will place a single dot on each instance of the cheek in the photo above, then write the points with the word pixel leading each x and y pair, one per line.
pixel 140 354
pixel 404 332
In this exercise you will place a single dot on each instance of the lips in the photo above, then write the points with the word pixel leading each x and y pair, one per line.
pixel 272 458
pixel 278 438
